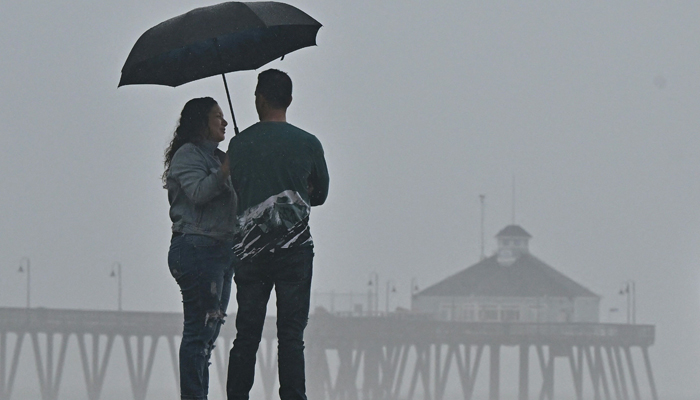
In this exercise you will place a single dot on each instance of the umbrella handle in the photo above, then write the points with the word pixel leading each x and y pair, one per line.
pixel 228 96
pixel 230 106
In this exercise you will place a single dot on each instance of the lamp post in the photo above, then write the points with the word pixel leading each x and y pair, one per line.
pixel 390 288
pixel 629 289
pixel 373 293
pixel 414 289
pixel 29 277
pixel 482 199
pixel 118 275
pixel 414 286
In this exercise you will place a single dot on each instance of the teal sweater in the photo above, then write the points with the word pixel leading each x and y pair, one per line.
pixel 279 173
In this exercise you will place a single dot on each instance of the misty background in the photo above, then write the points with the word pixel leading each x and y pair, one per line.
pixel 421 107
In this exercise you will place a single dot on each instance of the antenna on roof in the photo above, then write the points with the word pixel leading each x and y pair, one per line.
pixel 482 198
pixel 513 222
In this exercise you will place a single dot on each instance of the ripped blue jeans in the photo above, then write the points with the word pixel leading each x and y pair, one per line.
pixel 203 268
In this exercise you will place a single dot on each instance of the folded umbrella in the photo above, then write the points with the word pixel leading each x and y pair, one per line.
pixel 208 41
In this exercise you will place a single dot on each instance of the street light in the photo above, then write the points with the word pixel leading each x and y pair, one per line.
pixel 414 286
pixel 118 275
pixel 29 277
pixel 629 289
pixel 414 289
pixel 390 288
pixel 373 293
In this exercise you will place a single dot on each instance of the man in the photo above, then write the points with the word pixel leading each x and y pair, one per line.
pixel 279 173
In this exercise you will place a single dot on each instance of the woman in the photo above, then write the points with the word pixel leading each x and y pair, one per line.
pixel 203 212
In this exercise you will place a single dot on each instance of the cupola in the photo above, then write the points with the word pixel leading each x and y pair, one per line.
pixel 512 243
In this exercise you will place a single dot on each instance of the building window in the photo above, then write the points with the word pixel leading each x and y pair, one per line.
pixel 539 312
pixel 465 312
pixel 488 313
pixel 446 311
pixel 510 314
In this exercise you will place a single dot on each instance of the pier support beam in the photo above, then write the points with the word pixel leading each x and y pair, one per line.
pixel 524 373
pixel 650 375
pixel 547 367
pixel 613 373
pixel 345 387
pixel 174 359
pixel 7 378
pixel 422 370
pixel 593 371
pixel 633 376
pixel 468 370
pixel 389 367
pixel 321 386
pixel 94 372
pixel 621 373
pixel 49 373
pixel 494 371
pixel 404 351
pixel 576 363
pixel 442 369
pixel 140 368
pixel 600 367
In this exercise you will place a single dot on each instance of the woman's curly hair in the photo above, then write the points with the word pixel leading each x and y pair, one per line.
pixel 191 128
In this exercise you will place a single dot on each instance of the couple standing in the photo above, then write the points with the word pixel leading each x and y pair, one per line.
pixel 247 210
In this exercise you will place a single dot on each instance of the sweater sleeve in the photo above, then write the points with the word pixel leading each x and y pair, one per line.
pixel 200 184
pixel 319 178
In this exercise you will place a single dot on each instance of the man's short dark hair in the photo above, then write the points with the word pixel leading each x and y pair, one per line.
pixel 276 87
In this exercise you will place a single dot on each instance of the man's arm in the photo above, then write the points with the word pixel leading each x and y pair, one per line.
pixel 319 179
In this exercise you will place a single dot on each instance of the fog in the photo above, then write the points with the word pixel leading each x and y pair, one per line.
pixel 591 109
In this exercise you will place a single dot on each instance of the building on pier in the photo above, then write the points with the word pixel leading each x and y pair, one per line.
pixel 510 286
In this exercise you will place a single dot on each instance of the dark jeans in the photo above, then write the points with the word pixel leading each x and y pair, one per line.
pixel 290 274
pixel 202 266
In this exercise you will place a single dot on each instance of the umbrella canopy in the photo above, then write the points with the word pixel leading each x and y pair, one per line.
pixel 213 40
pixel 208 41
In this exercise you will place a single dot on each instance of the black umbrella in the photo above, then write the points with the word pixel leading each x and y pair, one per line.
pixel 213 40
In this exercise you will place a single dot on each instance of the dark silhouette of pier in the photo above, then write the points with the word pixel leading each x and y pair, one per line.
pixel 392 356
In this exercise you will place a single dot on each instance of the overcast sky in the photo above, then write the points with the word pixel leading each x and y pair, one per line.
pixel 421 107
